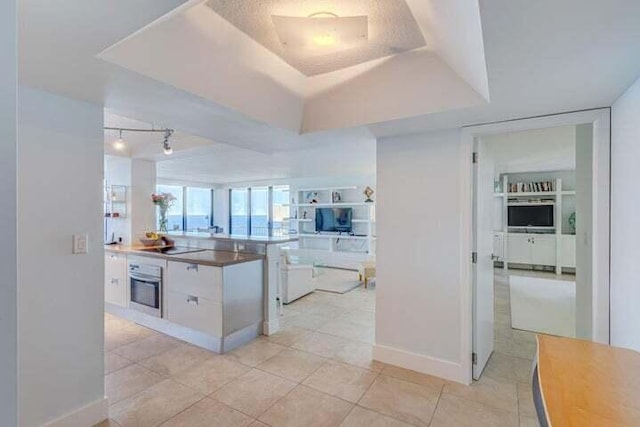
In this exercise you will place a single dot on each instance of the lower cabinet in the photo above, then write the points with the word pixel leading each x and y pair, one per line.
pixel 115 279
pixel 568 250
pixel 535 249
pixel 195 312
pixel 543 250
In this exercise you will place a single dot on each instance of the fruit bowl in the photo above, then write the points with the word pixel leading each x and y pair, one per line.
pixel 151 238
pixel 149 242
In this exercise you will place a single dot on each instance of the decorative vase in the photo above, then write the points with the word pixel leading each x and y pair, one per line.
pixel 164 221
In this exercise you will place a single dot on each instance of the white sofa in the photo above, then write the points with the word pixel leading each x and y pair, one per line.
pixel 297 280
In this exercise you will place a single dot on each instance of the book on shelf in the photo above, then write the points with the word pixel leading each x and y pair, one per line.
pixel 530 187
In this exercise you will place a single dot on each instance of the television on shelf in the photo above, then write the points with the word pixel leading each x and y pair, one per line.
pixel 334 219
pixel 534 216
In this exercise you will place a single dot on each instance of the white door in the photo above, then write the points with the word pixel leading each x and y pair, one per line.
pixel 483 267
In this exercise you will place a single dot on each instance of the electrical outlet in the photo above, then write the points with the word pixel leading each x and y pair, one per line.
pixel 80 243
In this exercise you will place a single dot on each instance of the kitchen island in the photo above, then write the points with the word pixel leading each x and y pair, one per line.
pixel 210 298
pixel 269 247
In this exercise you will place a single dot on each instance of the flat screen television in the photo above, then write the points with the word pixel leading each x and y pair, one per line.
pixel 334 219
pixel 531 216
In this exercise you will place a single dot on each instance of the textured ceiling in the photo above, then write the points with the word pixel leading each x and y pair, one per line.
pixel 392 29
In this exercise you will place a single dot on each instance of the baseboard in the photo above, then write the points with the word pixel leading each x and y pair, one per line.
pixel 88 415
pixel 420 363
pixel 271 327
pixel 241 337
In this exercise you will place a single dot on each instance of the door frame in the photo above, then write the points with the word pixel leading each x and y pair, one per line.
pixel 601 121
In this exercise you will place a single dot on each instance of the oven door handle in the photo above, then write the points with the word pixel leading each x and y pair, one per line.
pixel 144 277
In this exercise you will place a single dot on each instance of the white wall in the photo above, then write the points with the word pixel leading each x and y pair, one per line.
pixel 625 224
pixel 8 277
pixel 419 261
pixel 60 297
pixel 584 230
pixel 143 185
pixel 535 150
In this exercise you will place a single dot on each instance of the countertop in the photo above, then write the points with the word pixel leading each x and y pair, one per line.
pixel 584 383
pixel 233 237
pixel 203 257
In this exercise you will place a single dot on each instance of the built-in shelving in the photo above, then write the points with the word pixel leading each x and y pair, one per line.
pixel 115 201
pixel 333 248
pixel 559 231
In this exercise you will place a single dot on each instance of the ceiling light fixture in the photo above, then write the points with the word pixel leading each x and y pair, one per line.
pixel 165 144
pixel 119 144
pixel 322 32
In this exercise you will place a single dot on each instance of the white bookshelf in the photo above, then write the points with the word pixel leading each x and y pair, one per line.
pixel 335 249
pixel 561 198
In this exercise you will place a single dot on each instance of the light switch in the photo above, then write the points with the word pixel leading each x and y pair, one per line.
pixel 80 243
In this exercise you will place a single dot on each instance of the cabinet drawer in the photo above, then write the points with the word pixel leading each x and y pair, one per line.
pixel 115 265
pixel 195 279
pixel 196 313
pixel 115 291
pixel 115 279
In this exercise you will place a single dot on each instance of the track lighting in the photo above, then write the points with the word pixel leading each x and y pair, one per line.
pixel 119 144
pixel 165 144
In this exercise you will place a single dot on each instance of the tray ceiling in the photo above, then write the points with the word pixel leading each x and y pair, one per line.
pixel 392 29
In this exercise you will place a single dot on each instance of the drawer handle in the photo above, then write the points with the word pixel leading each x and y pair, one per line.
pixel 192 300
pixel 192 267
pixel 114 281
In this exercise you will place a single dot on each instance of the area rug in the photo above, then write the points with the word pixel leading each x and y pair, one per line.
pixel 543 305
pixel 336 280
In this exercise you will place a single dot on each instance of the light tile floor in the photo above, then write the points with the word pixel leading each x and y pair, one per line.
pixel 317 371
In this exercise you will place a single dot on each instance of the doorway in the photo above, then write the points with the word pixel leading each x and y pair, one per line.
pixel 539 233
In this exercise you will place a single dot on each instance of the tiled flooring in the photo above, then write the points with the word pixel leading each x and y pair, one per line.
pixel 316 372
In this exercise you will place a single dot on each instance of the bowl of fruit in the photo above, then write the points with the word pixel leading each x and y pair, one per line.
pixel 151 239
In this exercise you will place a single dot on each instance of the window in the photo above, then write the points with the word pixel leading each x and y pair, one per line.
pixel 239 211
pixel 175 214
pixel 280 210
pixel 199 208
pixel 259 211
pixel 192 210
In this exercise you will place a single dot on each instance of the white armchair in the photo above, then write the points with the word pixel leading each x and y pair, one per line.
pixel 297 280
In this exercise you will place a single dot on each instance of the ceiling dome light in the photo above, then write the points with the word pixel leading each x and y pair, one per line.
pixel 322 32
pixel 119 144
pixel 324 40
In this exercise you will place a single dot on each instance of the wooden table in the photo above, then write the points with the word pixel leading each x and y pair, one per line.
pixel 587 384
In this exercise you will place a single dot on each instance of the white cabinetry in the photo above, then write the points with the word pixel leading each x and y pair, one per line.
pixel 195 296
pixel 115 279
pixel 519 248
pixel 568 251
pixel 529 245
pixel 346 249
pixel 535 249
pixel 498 246
pixel 543 250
